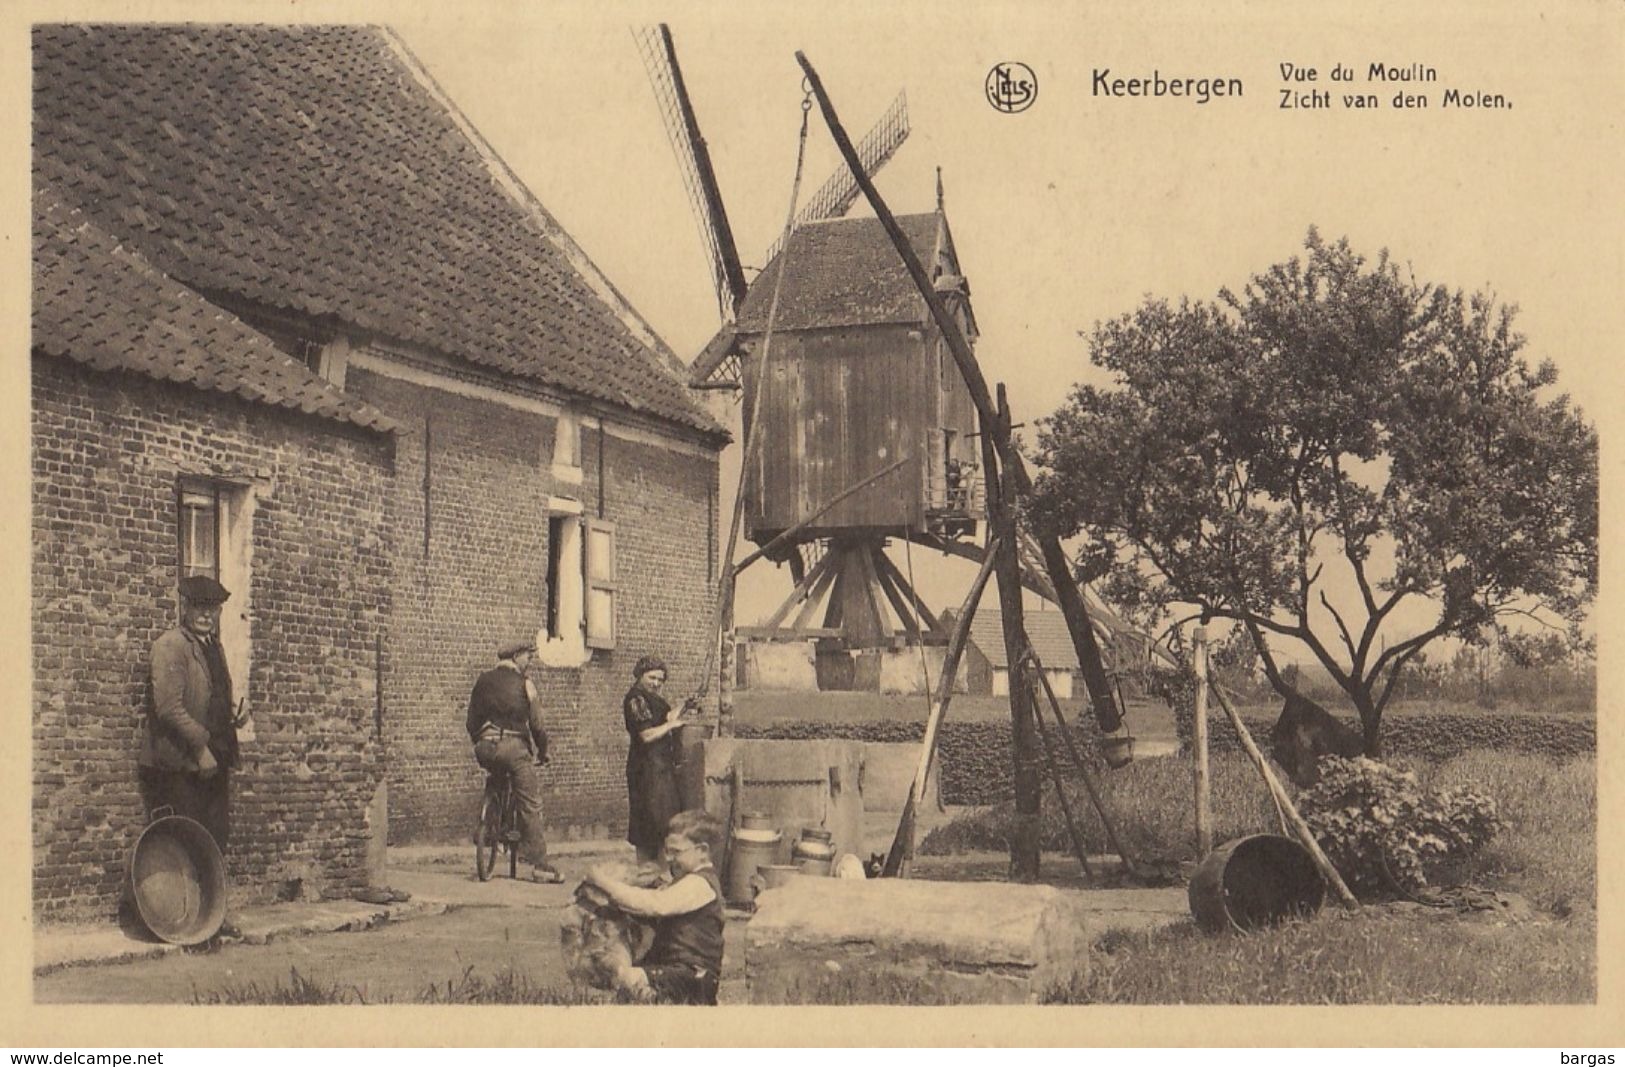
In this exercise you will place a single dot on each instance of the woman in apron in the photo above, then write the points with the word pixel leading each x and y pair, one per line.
pixel 652 757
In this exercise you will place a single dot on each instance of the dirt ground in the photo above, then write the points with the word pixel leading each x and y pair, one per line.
pixel 397 962
pixel 509 927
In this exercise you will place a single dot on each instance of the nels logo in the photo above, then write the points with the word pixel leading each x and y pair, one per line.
pixel 1011 87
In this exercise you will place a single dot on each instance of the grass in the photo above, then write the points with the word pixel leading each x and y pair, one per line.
pixel 1385 954
pixel 299 989
pixel 1378 956
pixel 504 987
pixel 1151 805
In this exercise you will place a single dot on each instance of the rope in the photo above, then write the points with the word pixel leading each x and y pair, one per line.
pixel 753 435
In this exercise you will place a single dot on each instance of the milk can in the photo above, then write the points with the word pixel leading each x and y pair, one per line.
pixel 814 853
pixel 755 844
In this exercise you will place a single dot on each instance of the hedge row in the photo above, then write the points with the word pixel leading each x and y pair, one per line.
pixel 1434 736
pixel 975 756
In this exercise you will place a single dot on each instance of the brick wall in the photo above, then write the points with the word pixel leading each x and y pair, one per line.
pixel 481 575
pixel 107 450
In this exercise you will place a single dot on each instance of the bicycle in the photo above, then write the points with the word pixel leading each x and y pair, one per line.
pixel 498 827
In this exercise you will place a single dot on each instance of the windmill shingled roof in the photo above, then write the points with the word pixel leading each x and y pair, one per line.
pixel 104 305
pixel 310 168
pixel 844 272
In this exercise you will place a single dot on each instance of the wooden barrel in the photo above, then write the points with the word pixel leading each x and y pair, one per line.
pixel 1255 881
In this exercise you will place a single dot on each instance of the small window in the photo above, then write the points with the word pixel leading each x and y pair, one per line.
pixel 199 529
pixel 567 440
pixel 556 534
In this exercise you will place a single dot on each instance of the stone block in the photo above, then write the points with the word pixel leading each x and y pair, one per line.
pixel 818 939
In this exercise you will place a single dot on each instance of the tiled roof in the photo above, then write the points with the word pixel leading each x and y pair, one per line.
pixel 844 272
pixel 104 305
pixel 311 168
pixel 1047 631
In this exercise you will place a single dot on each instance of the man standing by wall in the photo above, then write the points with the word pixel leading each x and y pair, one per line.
pixel 190 744
pixel 505 725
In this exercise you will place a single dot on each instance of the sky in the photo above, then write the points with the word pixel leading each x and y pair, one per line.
pixel 1076 209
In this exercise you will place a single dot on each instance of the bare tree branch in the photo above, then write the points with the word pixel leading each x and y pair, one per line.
pixel 1348 640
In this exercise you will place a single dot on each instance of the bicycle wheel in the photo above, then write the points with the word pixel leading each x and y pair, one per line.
pixel 488 835
pixel 510 830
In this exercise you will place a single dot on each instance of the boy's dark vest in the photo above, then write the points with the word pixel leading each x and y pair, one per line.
pixel 695 938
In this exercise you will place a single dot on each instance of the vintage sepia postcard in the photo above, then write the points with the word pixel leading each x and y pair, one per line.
pixel 672 515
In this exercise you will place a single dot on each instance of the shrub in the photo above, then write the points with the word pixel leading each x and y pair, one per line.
pixel 1384 832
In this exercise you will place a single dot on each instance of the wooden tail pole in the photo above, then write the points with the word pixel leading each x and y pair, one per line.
pixel 1306 837
pixel 1055 772
pixel 1204 808
pixel 902 846
pixel 1018 482
pixel 1083 768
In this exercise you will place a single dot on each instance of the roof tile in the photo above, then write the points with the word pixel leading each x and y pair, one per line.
pixel 306 168
pixel 102 304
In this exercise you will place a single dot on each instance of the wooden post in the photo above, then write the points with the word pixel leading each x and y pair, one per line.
pixel 1083 770
pixel 1029 668
pixel 902 847
pixel 1204 800
pixel 1306 836
pixel 1025 775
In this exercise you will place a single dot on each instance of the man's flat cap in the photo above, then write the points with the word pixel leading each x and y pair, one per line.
pixel 513 646
pixel 201 589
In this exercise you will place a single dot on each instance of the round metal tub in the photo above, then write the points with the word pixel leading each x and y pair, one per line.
pixel 1255 881
pixel 178 881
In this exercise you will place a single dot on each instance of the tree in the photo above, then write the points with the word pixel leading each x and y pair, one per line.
pixel 1333 414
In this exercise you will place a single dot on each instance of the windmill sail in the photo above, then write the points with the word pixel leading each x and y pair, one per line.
pixel 694 163
pixel 840 190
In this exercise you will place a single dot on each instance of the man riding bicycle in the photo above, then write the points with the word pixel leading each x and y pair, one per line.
pixel 504 722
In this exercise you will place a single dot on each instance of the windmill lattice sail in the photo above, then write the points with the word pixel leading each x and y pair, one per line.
pixel 694 164
pixel 840 191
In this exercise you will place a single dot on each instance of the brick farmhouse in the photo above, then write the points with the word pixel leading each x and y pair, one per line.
pixel 296 325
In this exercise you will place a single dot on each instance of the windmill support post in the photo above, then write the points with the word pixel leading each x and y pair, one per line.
pixel 1204 800
pixel 1024 773
pixel 1306 836
pixel 1054 769
pixel 1078 761
pixel 1015 471
pixel 902 846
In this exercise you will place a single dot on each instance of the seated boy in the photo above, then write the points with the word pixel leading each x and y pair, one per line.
pixel 684 964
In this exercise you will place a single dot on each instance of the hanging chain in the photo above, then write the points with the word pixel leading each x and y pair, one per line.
pixel 753 435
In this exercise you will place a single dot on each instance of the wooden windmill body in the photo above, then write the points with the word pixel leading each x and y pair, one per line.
pixel 858 379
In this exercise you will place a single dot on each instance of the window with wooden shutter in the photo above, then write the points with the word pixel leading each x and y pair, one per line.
pixel 598 562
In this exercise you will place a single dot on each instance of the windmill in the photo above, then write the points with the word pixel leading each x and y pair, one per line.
pixel 867 430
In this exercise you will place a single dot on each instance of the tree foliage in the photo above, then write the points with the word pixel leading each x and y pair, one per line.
pixel 1333 414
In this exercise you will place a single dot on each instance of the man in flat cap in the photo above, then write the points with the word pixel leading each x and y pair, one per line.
pixel 504 722
pixel 190 745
